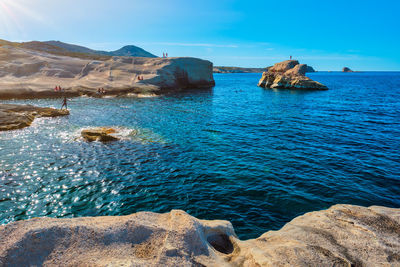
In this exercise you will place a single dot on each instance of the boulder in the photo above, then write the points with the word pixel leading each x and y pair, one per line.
pixel 19 116
pixel 343 235
pixel 346 69
pixel 102 134
pixel 289 74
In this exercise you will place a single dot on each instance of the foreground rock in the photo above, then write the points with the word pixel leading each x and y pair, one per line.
pixel 289 74
pixel 26 73
pixel 102 134
pixel 343 235
pixel 19 116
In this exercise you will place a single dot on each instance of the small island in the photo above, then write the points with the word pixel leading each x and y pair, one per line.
pixel 289 74
pixel 346 69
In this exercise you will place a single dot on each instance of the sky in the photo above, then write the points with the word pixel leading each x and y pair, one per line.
pixel 328 35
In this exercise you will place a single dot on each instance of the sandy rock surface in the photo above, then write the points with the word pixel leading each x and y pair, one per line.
pixel 27 73
pixel 343 235
pixel 289 74
pixel 19 116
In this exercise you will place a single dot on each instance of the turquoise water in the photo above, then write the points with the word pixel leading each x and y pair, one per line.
pixel 255 157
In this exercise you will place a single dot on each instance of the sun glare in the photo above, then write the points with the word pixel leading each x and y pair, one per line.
pixel 13 14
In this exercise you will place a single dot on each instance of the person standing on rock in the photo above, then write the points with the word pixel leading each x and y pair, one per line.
pixel 64 103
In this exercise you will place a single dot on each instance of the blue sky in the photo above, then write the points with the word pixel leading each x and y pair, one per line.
pixel 363 35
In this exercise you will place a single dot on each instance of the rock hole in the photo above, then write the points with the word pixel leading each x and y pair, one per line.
pixel 220 242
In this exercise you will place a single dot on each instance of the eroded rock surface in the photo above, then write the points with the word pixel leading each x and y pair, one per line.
pixel 27 73
pixel 19 116
pixel 343 235
pixel 289 74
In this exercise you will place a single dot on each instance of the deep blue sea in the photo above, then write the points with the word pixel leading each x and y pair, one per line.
pixel 256 157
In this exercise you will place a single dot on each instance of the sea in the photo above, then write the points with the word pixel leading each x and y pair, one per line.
pixel 256 157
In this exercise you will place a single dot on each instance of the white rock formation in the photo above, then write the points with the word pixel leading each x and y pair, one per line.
pixel 343 235
pixel 27 73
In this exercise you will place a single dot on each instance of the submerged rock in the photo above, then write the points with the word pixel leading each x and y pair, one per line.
pixel 343 235
pixel 289 74
pixel 19 116
pixel 346 69
pixel 102 134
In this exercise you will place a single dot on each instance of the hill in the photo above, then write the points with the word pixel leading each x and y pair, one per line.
pixel 71 50
pixel 129 50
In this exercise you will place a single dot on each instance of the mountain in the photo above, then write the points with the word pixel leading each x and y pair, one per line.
pixel 132 51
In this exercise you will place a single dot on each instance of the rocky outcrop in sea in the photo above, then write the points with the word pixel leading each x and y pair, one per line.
pixel 343 235
pixel 289 74
pixel 346 69
pixel 102 134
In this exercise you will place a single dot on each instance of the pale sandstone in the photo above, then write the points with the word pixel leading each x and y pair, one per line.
pixel 32 74
pixel 343 235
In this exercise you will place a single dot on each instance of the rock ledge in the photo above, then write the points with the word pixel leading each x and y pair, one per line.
pixel 19 116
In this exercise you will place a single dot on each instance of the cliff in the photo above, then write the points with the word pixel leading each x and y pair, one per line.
pixel 343 235
pixel 27 73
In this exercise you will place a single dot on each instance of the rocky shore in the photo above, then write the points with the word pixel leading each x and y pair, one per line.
pixel 343 235
pixel 19 116
pixel 289 74
pixel 29 73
